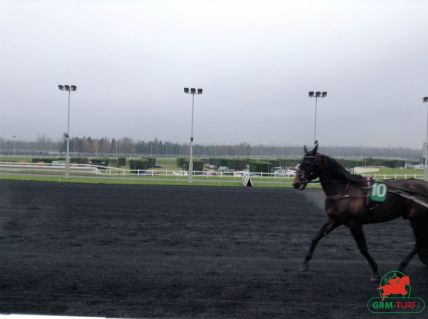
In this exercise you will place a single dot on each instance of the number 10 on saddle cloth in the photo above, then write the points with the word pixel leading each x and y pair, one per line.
pixel 378 192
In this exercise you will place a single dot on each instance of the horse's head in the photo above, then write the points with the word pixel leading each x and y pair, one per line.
pixel 406 280
pixel 308 168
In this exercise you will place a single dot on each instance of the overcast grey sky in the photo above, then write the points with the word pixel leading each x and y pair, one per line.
pixel 255 60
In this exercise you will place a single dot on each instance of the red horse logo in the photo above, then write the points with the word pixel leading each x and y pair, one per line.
pixel 395 286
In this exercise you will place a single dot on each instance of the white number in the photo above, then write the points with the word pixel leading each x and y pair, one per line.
pixel 379 190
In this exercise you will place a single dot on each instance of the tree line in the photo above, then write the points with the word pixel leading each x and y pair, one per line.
pixel 157 148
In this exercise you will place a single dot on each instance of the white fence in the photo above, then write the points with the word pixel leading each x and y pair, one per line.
pixel 59 168
pixel 87 169
pixel 394 176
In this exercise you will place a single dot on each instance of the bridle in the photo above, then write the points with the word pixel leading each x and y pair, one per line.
pixel 311 170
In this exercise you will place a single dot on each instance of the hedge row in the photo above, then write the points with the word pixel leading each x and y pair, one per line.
pixel 79 160
pixel 198 164
pixel 232 163
pixel 142 163
pixel 265 165
pixel 99 161
pixel 117 162
pixel 112 161
pixel 236 163
pixel 372 162
pixel 260 166
pixel 44 160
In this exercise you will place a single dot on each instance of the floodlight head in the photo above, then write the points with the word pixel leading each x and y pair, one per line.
pixel 193 90
pixel 317 93
pixel 199 91
pixel 311 93
pixel 61 87
pixel 186 90
pixel 67 87
pixel 324 94
pixel 425 99
pixel 73 88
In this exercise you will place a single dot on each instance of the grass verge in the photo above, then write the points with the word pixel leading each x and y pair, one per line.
pixel 147 180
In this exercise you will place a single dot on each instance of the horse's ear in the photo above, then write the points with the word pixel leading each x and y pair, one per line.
pixel 314 151
pixel 305 149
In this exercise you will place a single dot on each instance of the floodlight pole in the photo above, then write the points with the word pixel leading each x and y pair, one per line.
pixel 316 95
pixel 191 142
pixel 69 89
pixel 192 91
pixel 117 157
pixel 14 148
pixel 425 100
pixel 315 121
pixel 67 157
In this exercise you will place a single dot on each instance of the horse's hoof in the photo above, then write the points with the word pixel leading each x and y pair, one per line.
pixel 304 267
pixel 375 277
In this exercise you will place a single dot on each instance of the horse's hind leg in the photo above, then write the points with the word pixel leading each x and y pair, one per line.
pixel 357 232
pixel 419 230
pixel 409 257
pixel 324 231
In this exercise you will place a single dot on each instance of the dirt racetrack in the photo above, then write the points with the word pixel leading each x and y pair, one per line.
pixel 185 252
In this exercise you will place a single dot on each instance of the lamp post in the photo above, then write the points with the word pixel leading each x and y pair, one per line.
pixel 14 148
pixel 117 157
pixel 69 89
pixel 425 100
pixel 192 91
pixel 316 95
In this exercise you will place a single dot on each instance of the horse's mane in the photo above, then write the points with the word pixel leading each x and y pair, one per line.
pixel 340 171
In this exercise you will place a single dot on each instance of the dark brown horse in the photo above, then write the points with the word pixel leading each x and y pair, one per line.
pixel 347 204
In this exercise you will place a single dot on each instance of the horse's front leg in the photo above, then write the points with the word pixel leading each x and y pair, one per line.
pixel 357 232
pixel 325 229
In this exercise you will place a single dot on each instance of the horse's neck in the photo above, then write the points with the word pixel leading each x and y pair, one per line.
pixel 332 183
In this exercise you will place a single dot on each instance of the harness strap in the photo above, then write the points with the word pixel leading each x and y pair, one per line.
pixel 368 184
pixel 406 190
pixel 334 197
pixel 407 196
pixel 338 196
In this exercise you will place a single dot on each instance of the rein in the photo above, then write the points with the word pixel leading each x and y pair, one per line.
pixel 401 191
pixel 409 191
pixel 338 196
